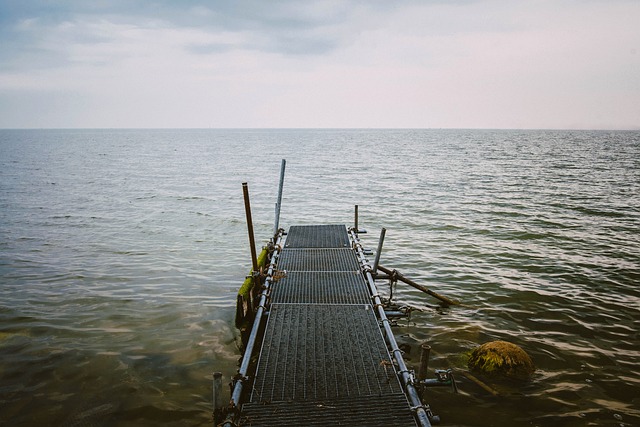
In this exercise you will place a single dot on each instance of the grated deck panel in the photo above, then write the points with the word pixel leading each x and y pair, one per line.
pixel 369 411
pixel 317 236
pixel 310 287
pixel 318 260
pixel 313 352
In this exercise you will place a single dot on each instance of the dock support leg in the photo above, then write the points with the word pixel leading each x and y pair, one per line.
pixel 424 361
pixel 217 397
pixel 252 242
pixel 355 219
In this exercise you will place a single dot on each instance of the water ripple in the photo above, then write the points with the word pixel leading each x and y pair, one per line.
pixel 121 253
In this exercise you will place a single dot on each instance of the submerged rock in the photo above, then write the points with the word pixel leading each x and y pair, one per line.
pixel 501 358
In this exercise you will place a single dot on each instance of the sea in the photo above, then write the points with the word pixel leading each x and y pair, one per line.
pixel 121 253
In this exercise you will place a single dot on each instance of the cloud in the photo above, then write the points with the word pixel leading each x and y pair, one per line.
pixel 248 63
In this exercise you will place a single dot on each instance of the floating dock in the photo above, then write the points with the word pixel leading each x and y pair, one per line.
pixel 326 355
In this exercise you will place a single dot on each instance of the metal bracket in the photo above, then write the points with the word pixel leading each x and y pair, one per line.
pixel 444 377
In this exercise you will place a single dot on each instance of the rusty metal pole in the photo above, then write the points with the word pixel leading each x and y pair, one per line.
pixel 252 242
pixel 355 225
pixel 424 361
pixel 217 397
pixel 424 289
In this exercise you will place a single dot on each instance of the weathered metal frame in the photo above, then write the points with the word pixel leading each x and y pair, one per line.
pixel 242 377
pixel 422 411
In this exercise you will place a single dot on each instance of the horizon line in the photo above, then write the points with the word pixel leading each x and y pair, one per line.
pixel 326 128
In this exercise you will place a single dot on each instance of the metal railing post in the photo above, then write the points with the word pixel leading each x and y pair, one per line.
pixel 279 202
pixel 377 260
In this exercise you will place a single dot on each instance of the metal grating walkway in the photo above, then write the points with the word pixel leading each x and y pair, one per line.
pixel 323 359
pixel 323 351
pixel 312 287
pixel 317 236
pixel 318 260
pixel 370 411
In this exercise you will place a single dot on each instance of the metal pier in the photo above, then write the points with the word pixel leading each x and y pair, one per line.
pixel 324 359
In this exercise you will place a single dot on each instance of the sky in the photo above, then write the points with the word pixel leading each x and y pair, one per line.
pixel 550 64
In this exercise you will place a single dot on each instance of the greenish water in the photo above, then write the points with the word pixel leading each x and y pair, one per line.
pixel 121 252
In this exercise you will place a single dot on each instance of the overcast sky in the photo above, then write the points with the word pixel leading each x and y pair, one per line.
pixel 387 63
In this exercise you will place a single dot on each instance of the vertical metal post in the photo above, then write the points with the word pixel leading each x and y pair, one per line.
pixel 252 242
pixel 424 361
pixel 377 260
pixel 355 225
pixel 279 202
pixel 217 397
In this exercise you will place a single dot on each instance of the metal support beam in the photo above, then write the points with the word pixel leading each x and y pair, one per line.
pixel 424 289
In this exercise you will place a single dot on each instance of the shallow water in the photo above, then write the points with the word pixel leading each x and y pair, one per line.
pixel 121 252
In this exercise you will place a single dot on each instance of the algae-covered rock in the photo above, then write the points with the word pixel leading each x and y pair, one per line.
pixel 501 358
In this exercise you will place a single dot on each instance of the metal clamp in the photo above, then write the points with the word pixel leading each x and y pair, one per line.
pixel 444 377
pixel 434 419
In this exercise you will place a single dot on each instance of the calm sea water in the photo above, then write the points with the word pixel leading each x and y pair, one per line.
pixel 121 252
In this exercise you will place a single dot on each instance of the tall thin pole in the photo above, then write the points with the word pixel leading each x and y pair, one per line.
pixel 252 242
pixel 355 222
pixel 279 202
pixel 379 251
pixel 217 397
